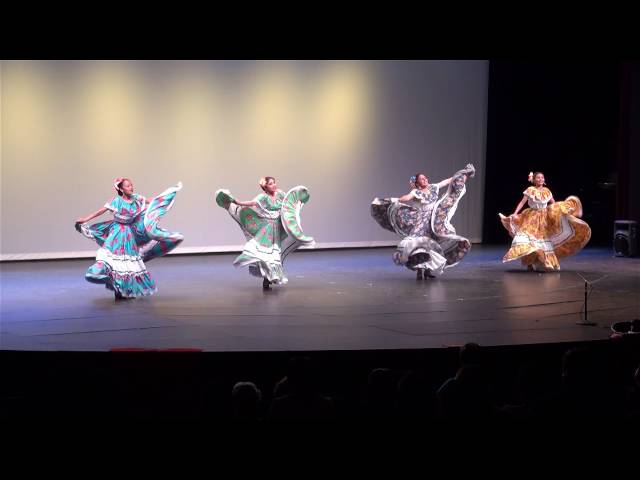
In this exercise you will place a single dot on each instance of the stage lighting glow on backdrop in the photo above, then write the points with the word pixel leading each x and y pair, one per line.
pixel 348 130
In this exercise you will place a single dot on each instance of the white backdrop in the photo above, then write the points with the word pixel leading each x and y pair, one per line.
pixel 348 130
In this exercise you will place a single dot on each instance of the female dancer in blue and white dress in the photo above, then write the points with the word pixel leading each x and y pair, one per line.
pixel 430 242
pixel 129 240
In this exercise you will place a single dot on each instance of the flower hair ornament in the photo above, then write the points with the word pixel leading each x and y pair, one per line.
pixel 530 177
pixel 262 182
pixel 117 181
pixel 412 181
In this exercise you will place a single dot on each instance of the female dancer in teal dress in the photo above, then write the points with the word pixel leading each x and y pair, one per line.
pixel 129 240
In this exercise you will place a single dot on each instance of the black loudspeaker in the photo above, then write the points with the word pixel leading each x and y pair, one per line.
pixel 625 238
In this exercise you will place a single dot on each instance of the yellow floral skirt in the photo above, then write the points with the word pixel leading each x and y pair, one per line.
pixel 542 236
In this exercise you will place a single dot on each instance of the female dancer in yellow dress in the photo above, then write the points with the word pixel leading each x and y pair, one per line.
pixel 547 230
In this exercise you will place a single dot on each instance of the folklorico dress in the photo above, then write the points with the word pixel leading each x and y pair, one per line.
pixel 542 234
pixel 128 241
pixel 272 229
pixel 430 242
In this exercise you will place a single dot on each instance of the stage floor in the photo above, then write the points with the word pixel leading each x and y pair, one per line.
pixel 335 300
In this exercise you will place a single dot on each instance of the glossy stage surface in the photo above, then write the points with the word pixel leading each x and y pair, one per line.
pixel 335 300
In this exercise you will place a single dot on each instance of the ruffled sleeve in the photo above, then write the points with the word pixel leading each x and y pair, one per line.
pixel 140 200
pixel 261 199
pixel 112 204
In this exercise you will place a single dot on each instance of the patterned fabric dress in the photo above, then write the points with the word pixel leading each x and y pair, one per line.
pixel 128 241
pixel 542 234
pixel 430 242
pixel 272 229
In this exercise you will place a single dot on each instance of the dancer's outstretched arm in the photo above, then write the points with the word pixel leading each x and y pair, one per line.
pixel 520 205
pixel 444 182
pixel 405 198
pixel 250 203
pixel 95 214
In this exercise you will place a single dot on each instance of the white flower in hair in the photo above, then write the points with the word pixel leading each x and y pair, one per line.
pixel 117 181
pixel 530 177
